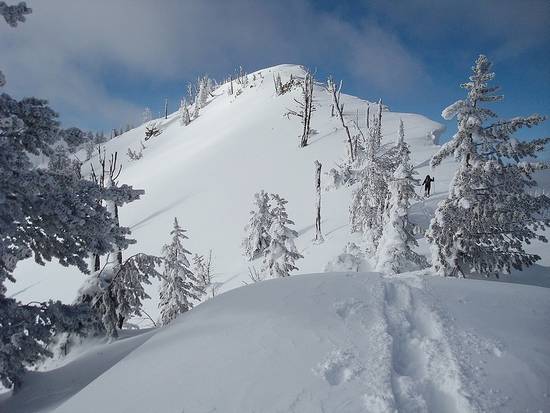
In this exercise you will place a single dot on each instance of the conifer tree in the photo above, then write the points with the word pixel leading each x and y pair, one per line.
pixel 179 285
pixel 196 108
pixel 203 91
pixel 202 268
pixel 257 230
pixel 281 254
pixel 395 249
pixel 184 113
pixel 60 162
pixel 44 214
pixel 369 197
pixel 489 213
pixel 278 84
pixel 116 292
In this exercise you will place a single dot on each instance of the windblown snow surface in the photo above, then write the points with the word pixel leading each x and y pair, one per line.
pixel 322 342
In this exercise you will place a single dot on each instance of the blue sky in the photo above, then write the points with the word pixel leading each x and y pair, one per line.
pixel 100 63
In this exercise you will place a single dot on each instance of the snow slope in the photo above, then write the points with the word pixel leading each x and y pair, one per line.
pixel 337 342
pixel 207 173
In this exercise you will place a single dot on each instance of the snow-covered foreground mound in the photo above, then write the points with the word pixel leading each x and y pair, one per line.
pixel 333 342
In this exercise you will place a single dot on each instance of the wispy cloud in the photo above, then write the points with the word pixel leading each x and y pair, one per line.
pixel 67 49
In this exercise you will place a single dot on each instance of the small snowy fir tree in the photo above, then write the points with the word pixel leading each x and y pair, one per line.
pixel 491 211
pixel 395 249
pixel 179 285
pixel 60 162
pixel 27 332
pixel 369 197
pixel 350 259
pixel 203 92
pixel 281 254
pixel 196 109
pixel 202 268
pixel 116 292
pixel 257 229
pixel 184 113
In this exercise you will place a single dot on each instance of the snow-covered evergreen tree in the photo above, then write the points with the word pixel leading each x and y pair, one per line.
pixel 369 196
pixel 196 109
pixel 489 213
pixel 202 268
pixel 281 254
pixel 34 198
pixel 203 92
pixel 116 292
pixel 179 285
pixel 60 162
pixel 14 14
pixel 257 229
pixel 395 249
pixel 184 113
pixel 27 330
pixel 43 214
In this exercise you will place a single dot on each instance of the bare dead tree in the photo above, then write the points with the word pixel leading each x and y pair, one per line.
pixel 151 131
pixel 368 117
pixel 335 93
pixel 318 235
pixel 166 108
pixel 99 179
pixel 254 275
pixel 230 90
pixel 287 87
pixel 191 92
pixel 305 107
pixel 278 84
pixel 107 176
pixel 114 173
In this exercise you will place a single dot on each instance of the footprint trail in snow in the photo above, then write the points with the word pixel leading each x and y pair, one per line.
pixel 404 360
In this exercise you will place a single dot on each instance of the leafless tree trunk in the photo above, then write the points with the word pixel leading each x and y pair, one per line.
pixel 318 234
pixel 166 108
pixel 107 177
pixel 305 106
pixel 368 117
pixel 331 87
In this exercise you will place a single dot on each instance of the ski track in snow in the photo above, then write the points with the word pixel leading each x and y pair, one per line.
pixel 425 373
pixel 406 362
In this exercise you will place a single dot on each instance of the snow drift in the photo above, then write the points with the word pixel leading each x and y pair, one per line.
pixel 334 342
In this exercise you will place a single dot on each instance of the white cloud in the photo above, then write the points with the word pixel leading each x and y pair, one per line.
pixel 67 48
